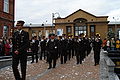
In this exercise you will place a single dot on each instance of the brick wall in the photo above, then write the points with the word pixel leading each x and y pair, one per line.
pixel 6 19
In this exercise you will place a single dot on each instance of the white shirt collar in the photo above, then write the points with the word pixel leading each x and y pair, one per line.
pixel 20 31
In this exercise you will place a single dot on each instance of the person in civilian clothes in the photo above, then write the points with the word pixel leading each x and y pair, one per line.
pixel 52 49
pixel 1 47
pixel 7 47
pixel 97 47
pixel 20 42
pixel 35 48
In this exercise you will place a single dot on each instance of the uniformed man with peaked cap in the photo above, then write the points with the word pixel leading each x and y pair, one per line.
pixel 20 42
pixel 52 49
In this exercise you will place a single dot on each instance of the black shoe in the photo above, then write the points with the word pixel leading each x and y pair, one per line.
pixel 40 59
pixel 77 63
pixel 32 62
pixel 49 68
pixel 61 62
pixel 94 64
pixel 54 67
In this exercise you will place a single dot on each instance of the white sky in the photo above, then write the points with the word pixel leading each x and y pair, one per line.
pixel 38 11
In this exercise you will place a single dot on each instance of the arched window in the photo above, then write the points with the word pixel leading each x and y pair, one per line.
pixel 80 26
pixel 80 20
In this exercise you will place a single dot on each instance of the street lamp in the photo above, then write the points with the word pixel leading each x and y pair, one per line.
pixel 44 27
pixel 53 16
pixel 115 26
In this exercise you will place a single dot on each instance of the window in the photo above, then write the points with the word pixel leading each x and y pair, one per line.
pixel 6 6
pixel 59 32
pixel 92 30
pixel 79 30
pixel 5 31
pixel 68 28
pixel 110 29
pixel 119 34
pixel 80 26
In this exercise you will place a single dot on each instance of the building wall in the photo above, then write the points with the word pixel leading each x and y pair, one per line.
pixel 102 29
pixel 38 30
pixel 100 22
pixel 81 14
pixel 7 19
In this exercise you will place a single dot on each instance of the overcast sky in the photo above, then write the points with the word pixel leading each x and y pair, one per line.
pixel 38 11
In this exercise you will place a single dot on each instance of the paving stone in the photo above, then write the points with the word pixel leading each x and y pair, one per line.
pixel 68 71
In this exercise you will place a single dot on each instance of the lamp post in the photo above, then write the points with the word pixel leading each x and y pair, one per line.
pixel 53 16
pixel 115 26
pixel 44 27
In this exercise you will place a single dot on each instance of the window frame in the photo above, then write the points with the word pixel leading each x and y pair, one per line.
pixel 6 6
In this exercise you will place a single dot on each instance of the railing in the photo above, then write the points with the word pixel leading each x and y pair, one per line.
pixel 107 67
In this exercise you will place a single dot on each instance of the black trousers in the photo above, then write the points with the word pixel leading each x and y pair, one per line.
pixel 96 56
pixel 22 59
pixel 63 56
pixel 78 57
pixel 42 54
pixel 52 58
pixel 36 56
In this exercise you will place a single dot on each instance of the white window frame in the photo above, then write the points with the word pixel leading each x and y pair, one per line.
pixel 6 6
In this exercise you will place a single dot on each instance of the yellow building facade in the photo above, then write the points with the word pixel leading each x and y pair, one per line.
pixel 83 22
pixel 74 24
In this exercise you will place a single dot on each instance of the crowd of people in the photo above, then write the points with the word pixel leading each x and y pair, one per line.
pixel 5 47
pixel 66 47
pixel 111 44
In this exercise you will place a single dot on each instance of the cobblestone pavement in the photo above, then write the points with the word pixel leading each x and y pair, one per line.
pixel 68 71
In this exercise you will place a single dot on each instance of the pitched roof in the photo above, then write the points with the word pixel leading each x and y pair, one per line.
pixel 38 25
pixel 87 13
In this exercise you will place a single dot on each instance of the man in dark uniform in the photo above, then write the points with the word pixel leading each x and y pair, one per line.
pixel 20 42
pixel 79 49
pixel 43 48
pixel 52 51
pixel 97 47
pixel 69 47
pixel 35 49
pixel 63 55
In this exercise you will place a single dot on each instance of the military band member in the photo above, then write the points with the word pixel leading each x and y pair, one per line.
pixel 43 48
pixel 77 50
pixel 59 46
pixel 20 46
pixel 97 47
pixel 79 53
pixel 52 51
pixel 63 56
pixel 35 48
pixel 69 47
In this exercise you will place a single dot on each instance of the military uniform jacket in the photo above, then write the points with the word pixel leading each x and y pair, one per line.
pixel 34 46
pixel 97 44
pixel 20 41
pixel 52 46
pixel 43 44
